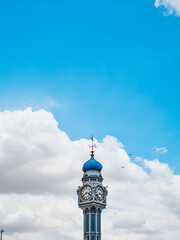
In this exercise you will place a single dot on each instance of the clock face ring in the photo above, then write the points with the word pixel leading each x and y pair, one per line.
pixel 100 194
pixel 86 193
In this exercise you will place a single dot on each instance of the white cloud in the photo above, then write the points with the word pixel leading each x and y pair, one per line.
pixel 171 6
pixel 160 150
pixel 138 159
pixel 40 169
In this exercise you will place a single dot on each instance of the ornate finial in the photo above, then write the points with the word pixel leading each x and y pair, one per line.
pixel 92 146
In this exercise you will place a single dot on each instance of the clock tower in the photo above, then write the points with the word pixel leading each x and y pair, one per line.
pixel 92 197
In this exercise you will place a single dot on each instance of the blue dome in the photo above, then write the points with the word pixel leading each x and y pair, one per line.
pixel 92 164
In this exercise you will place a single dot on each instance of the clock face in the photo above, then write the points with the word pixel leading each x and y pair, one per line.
pixel 86 193
pixel 100 193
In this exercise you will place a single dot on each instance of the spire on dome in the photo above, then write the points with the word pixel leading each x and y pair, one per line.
pixel 92 146
pixel 92 164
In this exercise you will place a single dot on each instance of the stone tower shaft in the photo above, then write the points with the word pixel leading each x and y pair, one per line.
pixel 92 199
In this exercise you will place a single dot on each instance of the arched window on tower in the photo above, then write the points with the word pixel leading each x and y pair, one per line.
pixel 86 221
pixel 99 221
pixel 93 219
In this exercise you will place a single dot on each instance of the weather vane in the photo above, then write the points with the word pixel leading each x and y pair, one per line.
pixel 92 146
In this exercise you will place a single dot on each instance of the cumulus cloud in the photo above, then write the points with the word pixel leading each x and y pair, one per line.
pixel 40 169
pixel 160 150
pixel 171 6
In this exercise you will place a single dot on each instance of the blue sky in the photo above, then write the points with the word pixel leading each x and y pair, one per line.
pixel 101 67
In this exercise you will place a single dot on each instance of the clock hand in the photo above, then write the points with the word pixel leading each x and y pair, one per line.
pixel 84 194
